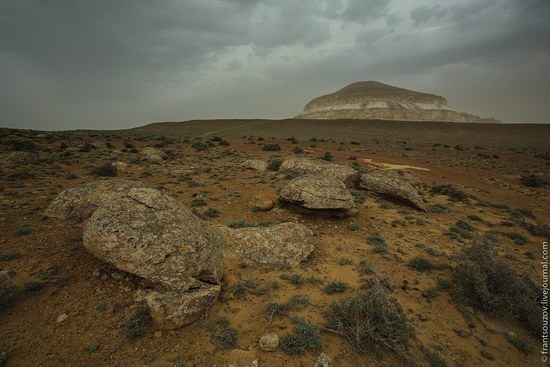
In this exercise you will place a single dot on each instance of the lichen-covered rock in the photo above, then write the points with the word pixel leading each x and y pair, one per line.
pixel 153 155
pixel 120 166
pixel 400 174
pixel 174 309
pixel 302 166
pixel 323 361
pixel 255 164
pixel 149 234
pixel 81 201
pixel 269 342
pixel 388 185
pixel 263 202
pixel 285 244
pixel 317 192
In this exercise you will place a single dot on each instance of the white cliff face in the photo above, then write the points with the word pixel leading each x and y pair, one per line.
pixel 377 101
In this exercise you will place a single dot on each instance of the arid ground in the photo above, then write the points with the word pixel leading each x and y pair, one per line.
pixel 64 307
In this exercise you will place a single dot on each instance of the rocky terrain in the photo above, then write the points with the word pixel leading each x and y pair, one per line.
pixel 144 247
pixel 378 101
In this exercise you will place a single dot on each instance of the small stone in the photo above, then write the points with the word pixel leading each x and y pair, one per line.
pixel 269 342
pixel 61 318
pixel 157 333
pixel 323 361
pixel 490 356
pixel 96 273
pixel 422 317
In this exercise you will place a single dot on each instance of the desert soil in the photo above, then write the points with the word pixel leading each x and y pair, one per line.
pixel 69 308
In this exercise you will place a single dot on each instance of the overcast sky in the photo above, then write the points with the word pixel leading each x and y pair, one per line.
pixel 123 63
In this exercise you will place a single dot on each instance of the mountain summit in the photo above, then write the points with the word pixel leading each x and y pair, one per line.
pixel 378 101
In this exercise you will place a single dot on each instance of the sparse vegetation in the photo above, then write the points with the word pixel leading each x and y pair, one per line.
pixel 520 343
pixel 306 336
pixel 487 283
pixel 421 264
pixel 531 180
pixel 271 147
pixel 212 212
pixel 137 324
pixel 371 321
pixel 450 191
pixel 335 287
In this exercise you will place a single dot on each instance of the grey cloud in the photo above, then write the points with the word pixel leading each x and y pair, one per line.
pixel 115 63
pixel 363 10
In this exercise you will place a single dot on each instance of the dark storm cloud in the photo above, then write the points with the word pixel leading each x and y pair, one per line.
pixel 75 64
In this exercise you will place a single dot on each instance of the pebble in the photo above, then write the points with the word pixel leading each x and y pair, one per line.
pixel 61 318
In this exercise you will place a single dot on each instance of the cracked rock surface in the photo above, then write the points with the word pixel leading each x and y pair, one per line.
pixel 317 192
pixel 149 234
pixel 303 166
pixel 80 202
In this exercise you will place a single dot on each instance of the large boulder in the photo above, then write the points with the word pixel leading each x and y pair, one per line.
pixel 317 192
pixel 285 244
pixel 302 166
pixel 153 155
pixel 149 234
pixel 173 309
pixel 388 185
pixel 81 201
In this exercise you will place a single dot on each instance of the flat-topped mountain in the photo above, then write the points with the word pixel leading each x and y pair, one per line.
pixel 374 100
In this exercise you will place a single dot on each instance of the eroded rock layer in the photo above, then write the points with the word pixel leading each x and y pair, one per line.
pixel 377 101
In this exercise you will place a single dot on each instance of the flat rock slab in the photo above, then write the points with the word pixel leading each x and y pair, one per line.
pixel 81 201
pixel 285 244
pixel 149 234
pixel 388 185
pixel 302 166
pixel 317 192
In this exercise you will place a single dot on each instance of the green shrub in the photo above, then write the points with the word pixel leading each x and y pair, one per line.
pixel 295 278
pixel 212 212
pixel 421 264
pixel 450 191
pixel 297 303
pixel 274 164
pixel 199 146
pixel 487 283
pixel 461 223
pixel 335 287
pixel 271 147
pixel 435 359
pixel 371 321
pixel 306 336
pixel 344 261
pixel 298 150
pixel 198 202
pixel 33 286
pixel 12 255
pixel 520 343
pixel 532 180
pixel 227 337
pixel 327 157
pixel 137 324
pixel 518 238
pixel 23 230
pixel 240 223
